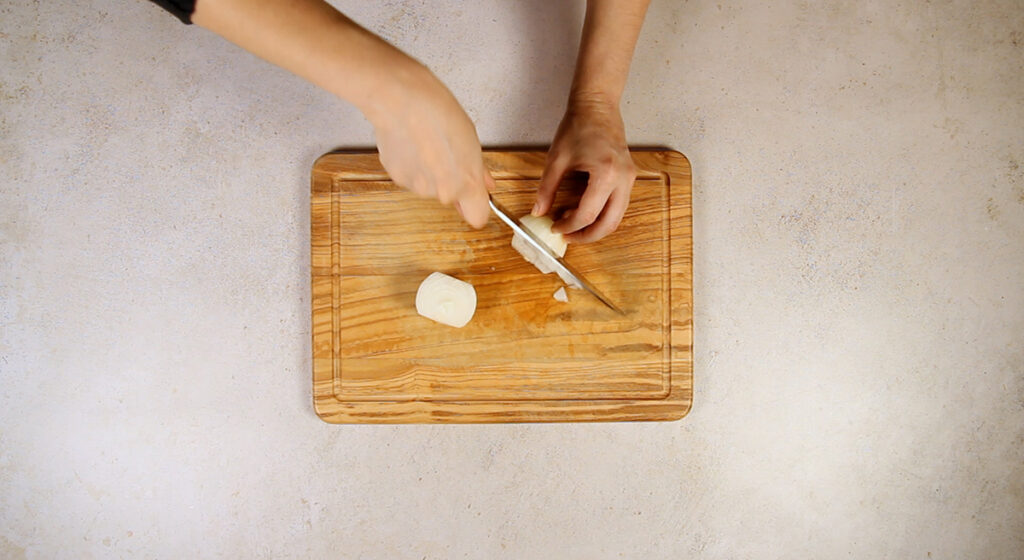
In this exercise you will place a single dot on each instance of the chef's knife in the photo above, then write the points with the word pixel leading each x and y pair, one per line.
pixel 565 272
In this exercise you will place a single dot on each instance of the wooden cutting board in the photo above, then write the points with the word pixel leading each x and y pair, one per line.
pixel 524 357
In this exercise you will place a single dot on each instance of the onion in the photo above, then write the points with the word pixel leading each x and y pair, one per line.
pixel 446 300
pixel 540 226
pixel 560 295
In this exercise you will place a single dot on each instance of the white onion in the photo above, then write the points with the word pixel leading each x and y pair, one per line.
pixel 540 226
pixel 560 295
pixel 446 300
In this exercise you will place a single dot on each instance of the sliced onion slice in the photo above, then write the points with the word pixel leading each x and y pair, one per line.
pixel 446 300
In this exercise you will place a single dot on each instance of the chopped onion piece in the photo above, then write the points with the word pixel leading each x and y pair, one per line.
pixel 446 300
pixel 540 226
pixel 560 295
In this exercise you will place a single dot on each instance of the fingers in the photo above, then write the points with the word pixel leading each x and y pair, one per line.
pixel 599 189
pixel 553 172
pixel 468 196
pixel 608 222
pixel 601 209
pixel 472 201
pixel 475 211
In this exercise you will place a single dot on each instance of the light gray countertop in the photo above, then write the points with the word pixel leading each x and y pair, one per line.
pixel 859 250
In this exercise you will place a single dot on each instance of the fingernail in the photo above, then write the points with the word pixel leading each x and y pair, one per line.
pixel 536 209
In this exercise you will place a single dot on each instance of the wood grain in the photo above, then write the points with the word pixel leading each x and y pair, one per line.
pixel 524 357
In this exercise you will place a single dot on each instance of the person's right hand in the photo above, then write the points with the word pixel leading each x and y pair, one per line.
pixel 429 146
pixel 427 143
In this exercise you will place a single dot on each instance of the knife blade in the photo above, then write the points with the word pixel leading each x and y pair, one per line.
pixel 564 269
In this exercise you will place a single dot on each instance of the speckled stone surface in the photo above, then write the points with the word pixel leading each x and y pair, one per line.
pixel 859 233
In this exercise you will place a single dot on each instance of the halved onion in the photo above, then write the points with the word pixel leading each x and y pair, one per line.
pixel 540 226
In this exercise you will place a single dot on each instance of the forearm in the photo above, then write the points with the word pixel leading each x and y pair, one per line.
pixel 318 43
pixel 610 31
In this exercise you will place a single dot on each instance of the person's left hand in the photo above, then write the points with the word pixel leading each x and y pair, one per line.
pixel 590 138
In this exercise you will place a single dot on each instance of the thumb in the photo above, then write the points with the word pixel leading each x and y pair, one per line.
pixel 553 172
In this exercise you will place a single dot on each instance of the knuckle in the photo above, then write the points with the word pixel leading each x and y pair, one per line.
pixel 557 150
pixel 587 215
pixel 625 169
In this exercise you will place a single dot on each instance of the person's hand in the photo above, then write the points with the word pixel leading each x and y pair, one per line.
pixel 429 146
pixel 426 142
pixel 590 138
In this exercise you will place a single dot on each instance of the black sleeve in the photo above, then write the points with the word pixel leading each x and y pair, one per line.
pixel 181 8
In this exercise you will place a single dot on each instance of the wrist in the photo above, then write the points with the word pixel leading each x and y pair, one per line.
pixel 590 101
pixel 383 81
pixel 394 90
